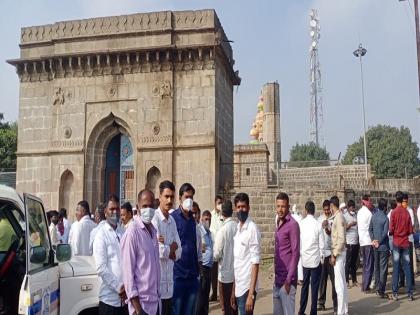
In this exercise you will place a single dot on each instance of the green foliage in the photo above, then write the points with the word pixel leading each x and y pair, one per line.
pixel 391 152
pixel 306 155
pixel 8 144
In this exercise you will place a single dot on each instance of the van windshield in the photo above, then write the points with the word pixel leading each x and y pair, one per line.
pixel 12 256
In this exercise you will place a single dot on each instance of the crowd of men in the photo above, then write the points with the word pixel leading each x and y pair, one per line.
pixel 157 259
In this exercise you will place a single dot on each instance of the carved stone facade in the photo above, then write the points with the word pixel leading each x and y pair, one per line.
pixel 165 80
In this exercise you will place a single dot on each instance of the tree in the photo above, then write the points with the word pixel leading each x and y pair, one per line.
pixel 8 144
pixel 302 155
pixel 391 152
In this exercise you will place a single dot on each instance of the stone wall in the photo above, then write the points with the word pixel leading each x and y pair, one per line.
pixel 265 181
pixel 250 166
pixel 164 79
pixel 224 128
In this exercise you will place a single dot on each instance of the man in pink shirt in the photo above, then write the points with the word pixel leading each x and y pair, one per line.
pixel 140 258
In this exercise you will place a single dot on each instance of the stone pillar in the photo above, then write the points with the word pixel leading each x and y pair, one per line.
pixel 271 128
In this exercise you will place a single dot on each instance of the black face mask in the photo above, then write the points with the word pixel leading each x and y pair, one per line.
pixel 242 216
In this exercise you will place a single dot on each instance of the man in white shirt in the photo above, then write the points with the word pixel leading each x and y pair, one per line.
pixel 352 243
pixel 55 238
pixel 126 214
pixel 216 224
pixel 223 253
pixel 364 215
pixel 327 269
pixel 106 250
pixel 99 220
pixel 66 224
pixel 312 254
pixel 79 237
pixel 247 256
pixel 169 243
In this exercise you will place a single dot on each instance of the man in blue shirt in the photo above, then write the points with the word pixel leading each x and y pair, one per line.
pixel 378 231
pixel 186 269
pixel 205 267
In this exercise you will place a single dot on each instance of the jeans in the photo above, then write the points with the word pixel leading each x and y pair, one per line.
pixel 225 291
pixel 283 303
pixel 381 269
pixel 327 271
pixel 403 254
pixel 367 266
pixel 203 294
pixel 184 300
pixel 312 275
pixel 351 262
pixel 241 301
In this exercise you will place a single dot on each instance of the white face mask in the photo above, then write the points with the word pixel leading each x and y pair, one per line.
pixel 147 214
pixel 206 225
pixel 219 207
pixel 187 204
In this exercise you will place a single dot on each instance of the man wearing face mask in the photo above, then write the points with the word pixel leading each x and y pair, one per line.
pixel 205 267
pixel 140 258
pixel 247 256
pixel 352 243
pixel 169 244
pixel 186 269
pixel 106 250
pixel 216 224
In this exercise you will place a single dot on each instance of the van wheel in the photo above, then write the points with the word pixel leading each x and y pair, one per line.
pixel 89 311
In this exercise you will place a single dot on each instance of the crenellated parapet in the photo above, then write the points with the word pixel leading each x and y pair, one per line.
pixel 136 43
pixel 124 24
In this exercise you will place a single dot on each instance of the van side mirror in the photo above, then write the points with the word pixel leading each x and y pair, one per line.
pixel 63 252
pixel 38 255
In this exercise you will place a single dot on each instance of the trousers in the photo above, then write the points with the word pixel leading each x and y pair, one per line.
pixel 340 284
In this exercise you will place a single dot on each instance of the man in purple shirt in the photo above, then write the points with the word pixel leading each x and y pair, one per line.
pixel 286 258
pixel 140 258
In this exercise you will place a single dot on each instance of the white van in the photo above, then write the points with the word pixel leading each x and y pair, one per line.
pixel 36 278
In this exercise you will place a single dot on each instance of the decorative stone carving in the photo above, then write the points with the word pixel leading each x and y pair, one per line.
pixel 153 21
pixel 66 143
pixel 256 132
pixel 102 64
pixel 67 132
pixel 112 91
pixel 58 96
pixel 156 128
pixel 162 89
pixel 160 140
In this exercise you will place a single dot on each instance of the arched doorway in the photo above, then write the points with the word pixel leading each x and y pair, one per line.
pixel 109 167
pixel 153 177
pixel 65 190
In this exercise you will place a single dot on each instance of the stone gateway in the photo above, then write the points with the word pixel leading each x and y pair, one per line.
pixel 117 104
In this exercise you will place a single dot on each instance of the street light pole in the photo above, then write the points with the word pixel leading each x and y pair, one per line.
pixel 359 53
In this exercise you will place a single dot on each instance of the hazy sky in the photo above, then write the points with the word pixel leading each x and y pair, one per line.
pixel 271 42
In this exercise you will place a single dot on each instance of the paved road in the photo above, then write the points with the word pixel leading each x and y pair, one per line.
pixel 359 304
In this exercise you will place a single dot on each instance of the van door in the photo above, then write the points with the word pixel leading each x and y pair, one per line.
pixel 41 284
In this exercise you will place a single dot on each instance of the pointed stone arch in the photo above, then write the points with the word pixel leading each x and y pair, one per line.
pixel 152 179
pixel 65 195
pixel 95 159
